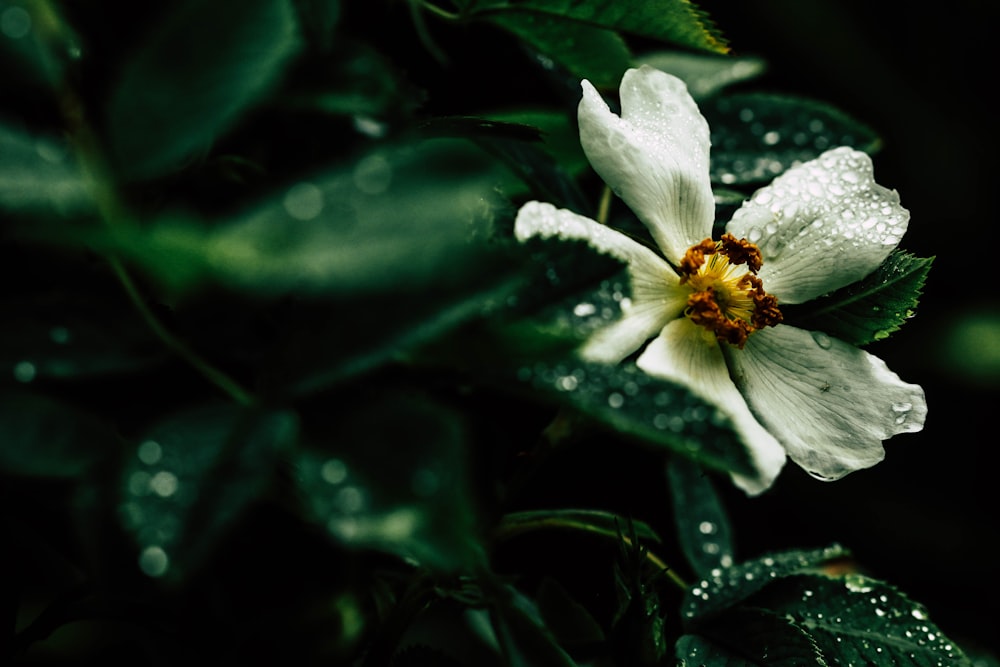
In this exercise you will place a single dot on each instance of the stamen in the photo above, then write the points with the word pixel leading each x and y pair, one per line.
pixel 729 304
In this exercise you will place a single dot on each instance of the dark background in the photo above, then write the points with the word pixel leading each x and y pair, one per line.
pixel 926 519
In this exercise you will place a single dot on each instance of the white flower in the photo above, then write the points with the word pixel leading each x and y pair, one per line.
pixel 712 308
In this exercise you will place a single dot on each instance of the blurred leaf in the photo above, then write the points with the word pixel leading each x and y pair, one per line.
pixel 701 520
pixel 191 478
pixel 756 136
pixel 390 475
pixel 319 19
pixel 524 640
pixel 201 69
pixel 859 620
pixel 354 80
pixel 677 21
pixel 37 175
pixel 568 620
pixel 389 223
pixel 66 334
pixel 558 134
pixel 597 522
pixel 42 437
pixel 727 587
pixel 871 309
pixel 749 637
pixel 704 74
pixel 586 51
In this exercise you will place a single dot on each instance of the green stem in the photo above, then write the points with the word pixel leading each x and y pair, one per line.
pixel 440 13
pixel 506 531
pixel 604 207
pixel 94 167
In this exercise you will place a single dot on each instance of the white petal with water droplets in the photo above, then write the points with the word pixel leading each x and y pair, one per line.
pixel 829 404
pixel 655 156
pixel 821 225
pixel 684 352
pixel 656 294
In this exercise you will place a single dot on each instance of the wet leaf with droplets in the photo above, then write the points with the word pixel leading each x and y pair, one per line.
pixel 390 476
pixel 748 637
pixel 871 309
pixel 757 136
pixel 638 406
pixel 191 477
pixel 701 520
pixel 859 620
pixel 725 587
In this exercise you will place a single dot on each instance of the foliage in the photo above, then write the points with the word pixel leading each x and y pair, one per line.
pixel 281 386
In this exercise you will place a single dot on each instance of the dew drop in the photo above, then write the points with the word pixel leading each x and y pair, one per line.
pixel 153 561
pixel 822 339
pixel 584 309
pixel 707 528
pixel 24 371
pixel 303 201
pixel 164 484
pixel 15 22
pixel 149 452
pixel 333 471
pixel 616 400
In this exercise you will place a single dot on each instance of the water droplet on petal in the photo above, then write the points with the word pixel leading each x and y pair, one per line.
pixel 822 339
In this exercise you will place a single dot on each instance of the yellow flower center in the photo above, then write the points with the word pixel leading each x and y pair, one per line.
pixel 727 298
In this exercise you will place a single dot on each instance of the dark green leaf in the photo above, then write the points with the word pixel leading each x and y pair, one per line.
pixel 652 411
pixel 390 475
pixel 726 587
pixel 42 437
pixel 756 136
pixel 567 619
pixel 192 477
pixel 749 637
pixel 586 51
pixel 62 334
pixel 676 21
pixel 871 309
pixel 523 639
pixel 200 70
pixel 858 620
pixel 397 221
pixel 701 520
pixel 38 175
pixel 704 74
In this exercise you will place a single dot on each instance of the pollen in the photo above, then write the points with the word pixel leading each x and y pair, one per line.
pixel 727 297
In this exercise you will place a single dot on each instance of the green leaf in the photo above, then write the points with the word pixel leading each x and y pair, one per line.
pixel 586 51
pixel 723 588
pixel 43 437
pixel 202 68
pixel 390 475
pixel 654 412
pixel 68 334
pixel 705 75
pixel 677 21
pixel 756 136
pixel 871 309
pixel 701 520
pixel 192 476
pixel 38 175
pixel 523 638
pixel 858 620
pixel 568 620
pixel 749 637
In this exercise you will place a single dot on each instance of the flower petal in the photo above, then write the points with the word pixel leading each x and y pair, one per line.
pixel 821 225
pixel 830 404
pixel 656 293
pixel 655 156
pixel 685 353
